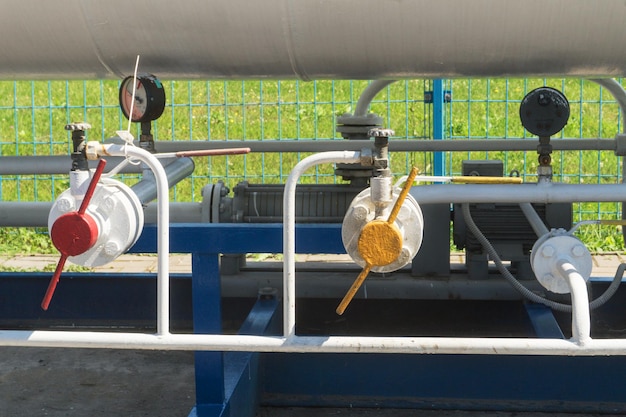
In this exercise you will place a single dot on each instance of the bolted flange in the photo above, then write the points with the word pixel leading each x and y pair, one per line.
pixel 555 247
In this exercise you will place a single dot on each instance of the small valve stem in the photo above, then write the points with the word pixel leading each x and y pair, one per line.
pixel 381 182
pixel 79 157
pixel 544 149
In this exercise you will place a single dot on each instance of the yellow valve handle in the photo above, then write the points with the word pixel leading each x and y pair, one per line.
pixel 380 243
pixel 477 179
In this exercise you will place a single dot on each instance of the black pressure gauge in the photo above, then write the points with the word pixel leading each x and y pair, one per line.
pixel 149 98
pixel 544 111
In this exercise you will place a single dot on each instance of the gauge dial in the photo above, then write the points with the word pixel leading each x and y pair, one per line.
pixel 544 111
pixel 149 98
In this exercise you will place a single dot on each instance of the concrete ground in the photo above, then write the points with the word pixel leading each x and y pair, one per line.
pixel 603 264
pixel 94 382
pixel 112 383
pixel 103 383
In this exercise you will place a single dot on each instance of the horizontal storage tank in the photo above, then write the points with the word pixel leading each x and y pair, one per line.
pixel 312 39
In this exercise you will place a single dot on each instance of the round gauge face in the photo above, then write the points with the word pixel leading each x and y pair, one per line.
pixel 544 111
pixel 149 100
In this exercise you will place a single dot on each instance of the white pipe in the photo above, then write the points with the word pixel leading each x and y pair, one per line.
pixel 163 226
pixel 289 225
pixel 581 344
pixel 581 321
pixel 317 344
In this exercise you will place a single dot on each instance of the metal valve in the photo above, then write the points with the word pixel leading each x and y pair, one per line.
pixel 377 244
pixel 107 223
pixel 73 233
pixel 544 112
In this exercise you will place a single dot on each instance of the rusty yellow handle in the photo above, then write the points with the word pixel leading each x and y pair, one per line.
pixel 380 243
pixel 470 179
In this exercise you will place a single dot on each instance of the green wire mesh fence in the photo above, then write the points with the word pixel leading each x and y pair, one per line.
pixel 33 114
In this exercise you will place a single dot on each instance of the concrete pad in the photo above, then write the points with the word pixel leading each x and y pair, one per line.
pixel 95 382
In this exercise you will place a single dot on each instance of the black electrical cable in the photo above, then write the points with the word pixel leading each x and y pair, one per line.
pixel 493 254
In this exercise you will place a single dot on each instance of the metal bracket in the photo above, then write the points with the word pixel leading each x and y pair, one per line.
pixel 620 144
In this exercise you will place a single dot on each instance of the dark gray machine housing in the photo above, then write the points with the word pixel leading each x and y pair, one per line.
pixel 504 225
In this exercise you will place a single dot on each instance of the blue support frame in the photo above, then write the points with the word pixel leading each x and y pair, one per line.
pixel 543 321
pixel 232 384
pixel 227 384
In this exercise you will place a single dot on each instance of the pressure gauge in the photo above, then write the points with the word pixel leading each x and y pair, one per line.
pixel 544 111
pixel 149 98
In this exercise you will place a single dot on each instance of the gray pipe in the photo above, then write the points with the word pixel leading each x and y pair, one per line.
pixel 366 97
pixel 17 214
pixel 465 145
pixel 176 171
pixel 24 214
pixel 618 93
pixel 54 164
pixel 35 214
pixel 50 165
pixel 287 39
pixel 518 193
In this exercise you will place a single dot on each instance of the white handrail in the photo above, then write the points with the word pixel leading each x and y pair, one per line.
pixel 163 225
pixel 580 345
pixel 289 225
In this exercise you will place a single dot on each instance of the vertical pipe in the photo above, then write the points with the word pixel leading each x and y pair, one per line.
pixel 618 92
pixel 375 87
pixel 438 126
pixel 581 322
pixel 289 225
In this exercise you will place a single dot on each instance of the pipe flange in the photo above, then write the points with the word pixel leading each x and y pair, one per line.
pixel 362 211
pixel 546 255
pixel 117 216
pixel 357 127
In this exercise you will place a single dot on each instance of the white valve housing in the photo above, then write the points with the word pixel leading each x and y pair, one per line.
pixel 410 222
pixel 116 210
pixel 552 248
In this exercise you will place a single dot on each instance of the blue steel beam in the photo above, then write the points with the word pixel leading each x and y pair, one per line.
pixel 543 321
pixel 242 238
pixel 242 375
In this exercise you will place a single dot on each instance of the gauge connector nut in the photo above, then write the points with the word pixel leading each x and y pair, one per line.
pixel 93 150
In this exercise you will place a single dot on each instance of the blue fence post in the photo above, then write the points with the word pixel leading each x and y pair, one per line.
pixel 439 162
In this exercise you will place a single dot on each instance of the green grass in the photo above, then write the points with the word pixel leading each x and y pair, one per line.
pixel 32 116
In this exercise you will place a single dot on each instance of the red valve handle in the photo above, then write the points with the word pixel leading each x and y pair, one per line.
pixel 73 233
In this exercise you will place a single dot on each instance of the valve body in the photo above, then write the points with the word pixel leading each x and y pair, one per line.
pixel 116 219
pixel 409 225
